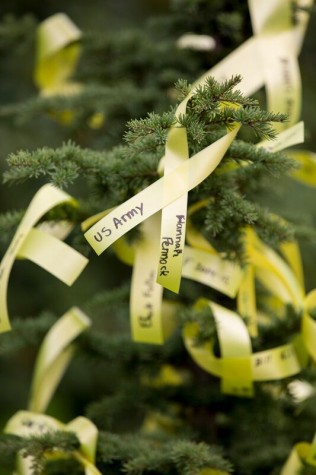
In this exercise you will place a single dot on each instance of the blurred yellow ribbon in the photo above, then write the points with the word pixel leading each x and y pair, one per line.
pixel 211 471
pixel 303 454
pixel 40 246
pixel 306 173
pixel 146 294
pixel 268 58
pixel 233 280
pixel 27 423
pixel 57 56
pixel 284 278
pixel 277 49
pixel 237 366
pixel 54 356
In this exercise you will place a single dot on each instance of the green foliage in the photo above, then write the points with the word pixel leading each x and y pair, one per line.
pixel 205 320
pixel 140 455
pixel 37 447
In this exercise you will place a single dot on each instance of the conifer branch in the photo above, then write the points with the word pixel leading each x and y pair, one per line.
pixel 27 332
pixel 140 455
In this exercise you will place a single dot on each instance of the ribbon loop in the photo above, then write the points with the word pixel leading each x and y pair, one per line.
pixel 54 355
pixel 57 53
pixel 27 423
pixel 67 264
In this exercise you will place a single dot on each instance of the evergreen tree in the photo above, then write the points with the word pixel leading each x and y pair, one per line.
pixel 156 410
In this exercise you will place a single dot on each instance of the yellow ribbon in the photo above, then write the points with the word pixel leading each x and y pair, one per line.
pixel 174 209
pixel 306 173
pixel 265 258
pixel 291 253
pixel 309 324
pixel 211 269
pixel 238 367
pixel 146 294
pixel 269 58
pixel 279 43
pixel 246 61
pixel 302 454
pixel 54 356
pixel 27 423
pixel 272 23
pixel 173 216
pixel 149 313
pixel 142 206
pixel 186 174
pixel 277 363
pixel 246 299
pixel 202 264
pixel 286 282
pixel 57 55
pixel 40 247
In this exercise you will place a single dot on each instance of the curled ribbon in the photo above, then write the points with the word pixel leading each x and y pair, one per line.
pixel 57 56
pixel 273 27
pixel 40 247
pixel 301 455
pixel 274 47
pixel 284 280
pixel 246 300
pixel 306 173
pixel 238 367
pixel 277 46
pixel 54 356
pixel 26 424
